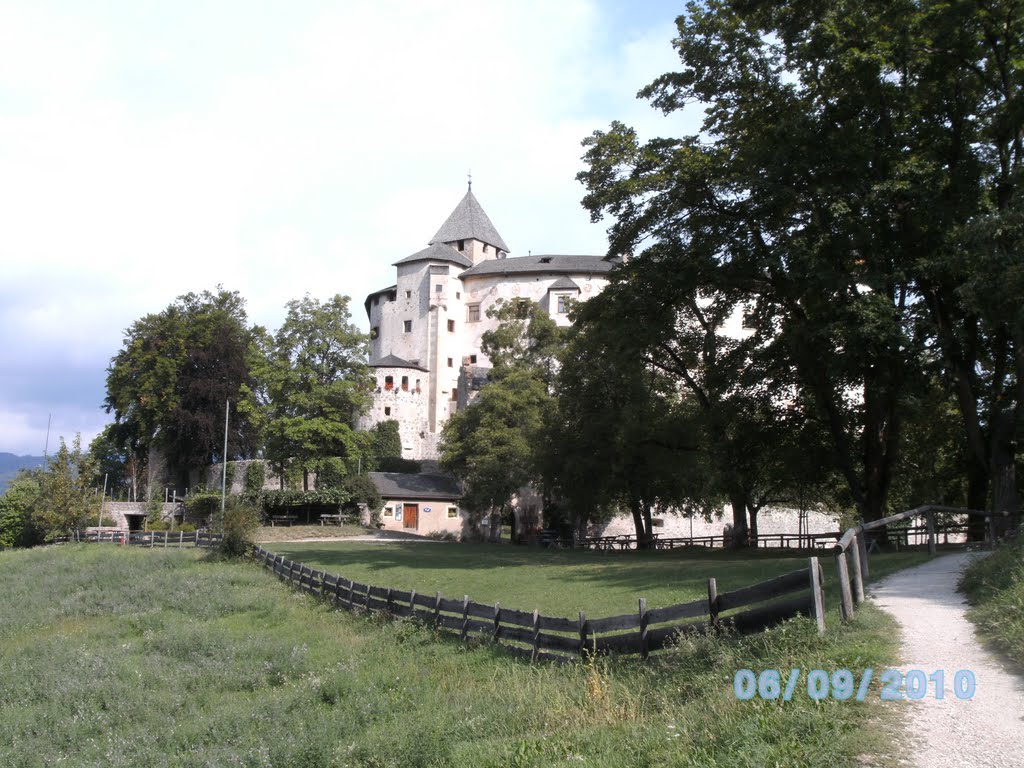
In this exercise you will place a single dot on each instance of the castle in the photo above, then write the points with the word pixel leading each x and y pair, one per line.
pixel 425 330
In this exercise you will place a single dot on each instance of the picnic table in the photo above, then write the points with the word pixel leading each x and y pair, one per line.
pixel 283 519
pixel 337 519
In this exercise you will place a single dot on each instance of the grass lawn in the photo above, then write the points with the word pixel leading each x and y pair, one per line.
pixel 133 657
pixel 995 588
pixel 562 582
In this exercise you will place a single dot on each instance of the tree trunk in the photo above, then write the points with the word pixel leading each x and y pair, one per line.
pixel 1004 480
pixel 752 511
pixel 636 506
pixel 740 532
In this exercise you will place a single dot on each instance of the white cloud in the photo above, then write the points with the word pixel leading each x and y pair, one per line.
pixel 156 150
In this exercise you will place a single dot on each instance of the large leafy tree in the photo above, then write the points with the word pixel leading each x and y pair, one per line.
pixel 67 498
pixel 313 383
pixel 168 386
pixel 493 445
pixel 835 164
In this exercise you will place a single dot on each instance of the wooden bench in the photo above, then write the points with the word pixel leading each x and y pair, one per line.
pixel 283 519
pixel 338 519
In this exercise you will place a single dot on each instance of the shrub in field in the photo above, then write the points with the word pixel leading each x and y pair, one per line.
pixel 995 587
pixel 239 523
pixel 16 528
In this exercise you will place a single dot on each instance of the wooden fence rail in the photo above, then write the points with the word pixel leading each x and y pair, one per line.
pixel 161 539
pixel 530 634
pixel 852 551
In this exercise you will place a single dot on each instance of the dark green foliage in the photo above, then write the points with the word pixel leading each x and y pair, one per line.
pixel 67 499
pixel 362 490
pixel 331 472
pixel 169 383
pixel 16 504
pixel 995 587
pixel 255 477
pixel 201 505
pixel 387 442
pixel 239 523
pixel 279 500
pixel 313 381
pixel 398 464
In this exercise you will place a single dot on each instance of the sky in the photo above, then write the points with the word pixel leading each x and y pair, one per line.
pixel 278 149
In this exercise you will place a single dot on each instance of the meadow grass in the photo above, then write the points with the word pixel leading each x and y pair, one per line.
pixel 130 657
pixel 563 582
pixel 994 586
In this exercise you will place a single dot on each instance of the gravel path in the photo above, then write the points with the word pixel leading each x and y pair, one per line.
pixel 987 730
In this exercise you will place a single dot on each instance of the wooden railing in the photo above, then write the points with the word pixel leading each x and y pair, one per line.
pixel 852 549
pixel 775 540
pixel 151 538
pixel 532 635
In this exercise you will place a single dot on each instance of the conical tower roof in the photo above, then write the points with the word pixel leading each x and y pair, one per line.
pixel 468 221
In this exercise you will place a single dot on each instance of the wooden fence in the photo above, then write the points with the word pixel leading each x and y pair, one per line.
pixel 531 635
pixel 161 539
pixel 853 548
pixel 776 540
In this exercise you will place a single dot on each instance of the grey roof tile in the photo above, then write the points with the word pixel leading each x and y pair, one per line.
pixel 399 486
pixel 543 264
pixel 564 284
pixel 437 252
pixel 468 221
pixel 391 361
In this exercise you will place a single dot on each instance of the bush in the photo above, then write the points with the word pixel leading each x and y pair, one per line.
pixel 994 585
pixel 239 523
pixel 255 478
pixel 202 504
pixel 330 473
pixel 158 525
pixel 398 464
pixel 362 490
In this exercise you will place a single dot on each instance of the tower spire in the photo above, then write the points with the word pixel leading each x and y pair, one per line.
pixel 469 176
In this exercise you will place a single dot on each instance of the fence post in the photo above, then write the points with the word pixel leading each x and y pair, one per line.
pixel 412 604
pixel 181 539
pixel 536 635
pixel 583 635
pixel 437 610
pixel 818 595
pixel 930 521
pixel 992 530
pixel 351 596
pixel 465 617
pixel 713 603
pixel 862 548
pixel 845 596
pixel 858 576
pixel 644 640
pixel 497 621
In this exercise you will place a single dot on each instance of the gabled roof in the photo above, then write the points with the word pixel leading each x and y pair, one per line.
pixel 564 284
pixel 391 361
pixel 543 264
pixel 468 221
pixel 437 252
pixel 399 486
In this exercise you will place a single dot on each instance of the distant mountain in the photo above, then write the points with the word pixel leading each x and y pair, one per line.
pixel 10 464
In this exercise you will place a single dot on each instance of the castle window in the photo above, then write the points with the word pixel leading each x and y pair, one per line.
pixel 387 410
pixel 458 295
pixel 450 362
pixel 472 359
pixel 417 385
pixel 453 512
pixel 472 313
pixel 462 245
pixel 486 247
pixel 563 304
pixel 451 326
pixel 522 309
pixel 438 288
pixel 389 383
pixel 408 294
pixel 405 383
pixel 374 332
pixel 407 326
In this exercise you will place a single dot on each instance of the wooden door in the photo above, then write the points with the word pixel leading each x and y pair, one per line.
pixel 410 515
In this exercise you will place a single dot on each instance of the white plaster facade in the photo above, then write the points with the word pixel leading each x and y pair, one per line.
pixel 427 327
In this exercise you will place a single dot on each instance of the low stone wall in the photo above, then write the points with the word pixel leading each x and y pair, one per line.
pixel 115 512
pixel 768 521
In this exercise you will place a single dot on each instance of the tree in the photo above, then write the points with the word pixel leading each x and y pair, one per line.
pixel 123 468
pixel 492 445
pixel 314 381
pixel 800 201
pixel 168 386
pixel 16 505
pixel 67 498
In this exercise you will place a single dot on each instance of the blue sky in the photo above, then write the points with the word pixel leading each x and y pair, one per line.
pixel 151 149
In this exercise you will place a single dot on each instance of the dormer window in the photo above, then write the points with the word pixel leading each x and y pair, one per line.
pixel 545 259
pixel 486 248
pixel 462 245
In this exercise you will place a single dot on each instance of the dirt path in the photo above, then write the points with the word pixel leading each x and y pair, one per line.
pixel 987 730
